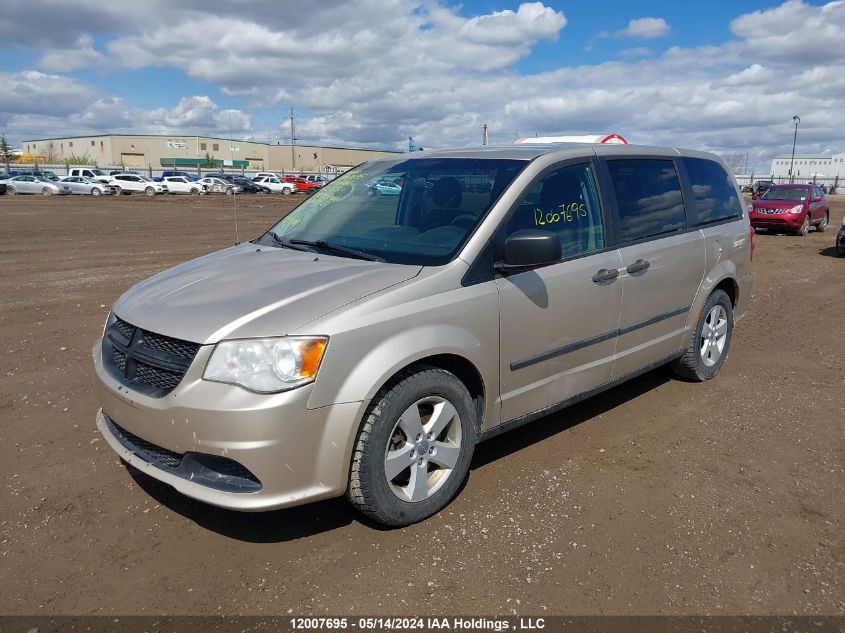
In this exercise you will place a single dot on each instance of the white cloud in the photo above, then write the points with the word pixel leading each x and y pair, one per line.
pixel 794 33
pixel 76 57
pixel 647 28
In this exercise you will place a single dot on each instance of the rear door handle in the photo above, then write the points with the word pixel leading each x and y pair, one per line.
pixel 639 266
pixel 605 276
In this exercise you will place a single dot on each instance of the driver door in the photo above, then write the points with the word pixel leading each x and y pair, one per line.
pixel 559 323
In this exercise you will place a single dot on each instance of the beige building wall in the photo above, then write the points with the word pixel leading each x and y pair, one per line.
pixel 143 151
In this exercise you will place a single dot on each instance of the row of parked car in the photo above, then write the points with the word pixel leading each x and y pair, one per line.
pixel 97 182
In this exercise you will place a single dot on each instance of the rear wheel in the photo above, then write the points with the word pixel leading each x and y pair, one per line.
pixel 707 349
pixel 821 226
pixel 414 448
pixel 95 191
pixel 805 226
pixel 46 191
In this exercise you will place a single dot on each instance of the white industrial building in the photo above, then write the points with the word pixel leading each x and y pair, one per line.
pixel 809 166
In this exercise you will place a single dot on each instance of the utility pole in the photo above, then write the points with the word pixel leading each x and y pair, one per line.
pixel 796 120
pixel 484 135
pixel 292 142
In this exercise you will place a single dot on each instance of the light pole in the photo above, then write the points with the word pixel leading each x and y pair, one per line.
pixel 796 120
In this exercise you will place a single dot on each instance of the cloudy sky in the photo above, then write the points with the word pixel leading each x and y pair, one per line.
pixel 722 76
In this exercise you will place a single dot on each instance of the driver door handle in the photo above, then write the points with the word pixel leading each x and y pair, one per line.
pixel 639 266
pixel 605 276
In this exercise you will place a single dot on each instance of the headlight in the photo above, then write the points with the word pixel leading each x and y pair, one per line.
pixel 267 365
pixel 798 208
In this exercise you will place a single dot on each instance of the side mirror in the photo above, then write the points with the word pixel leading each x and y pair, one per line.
pixel 529 248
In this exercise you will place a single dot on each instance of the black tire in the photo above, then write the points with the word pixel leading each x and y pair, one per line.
pixel 805 227
pixel 286 191
pixel 11 190
pixel 691 364
pixel 229 191
pixel 117 190
pixel 195 192
pixel 150 192
pixel 95 191
pixel 821 226
pixel 46 191
pixel 369 490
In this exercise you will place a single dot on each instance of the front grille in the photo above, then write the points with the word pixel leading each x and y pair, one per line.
pixel 170 345
pixel 157 377
pixel 148 362
pixel 119 359
pixel 124 328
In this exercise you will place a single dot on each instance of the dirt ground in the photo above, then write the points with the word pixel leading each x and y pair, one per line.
pixel 658 497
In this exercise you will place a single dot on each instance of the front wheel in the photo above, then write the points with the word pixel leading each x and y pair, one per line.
pixel 229 191
pixel 805 226
pixel 286 191
pixel 149 191
pixel 707 349
pixel 821 226
pixel 414 448
pixel 46 191
pixel 11 190
pixel 95 192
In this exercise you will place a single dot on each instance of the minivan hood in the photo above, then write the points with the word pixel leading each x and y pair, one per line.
pixel 251 291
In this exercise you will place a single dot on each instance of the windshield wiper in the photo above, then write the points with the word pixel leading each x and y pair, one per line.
pixel 339 249
pixel 285 243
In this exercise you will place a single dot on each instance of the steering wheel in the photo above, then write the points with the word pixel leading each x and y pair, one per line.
pixel 464 221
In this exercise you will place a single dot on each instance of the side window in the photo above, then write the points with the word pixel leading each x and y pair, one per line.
pixel 714 196
pixel 649 197
pixel 565 202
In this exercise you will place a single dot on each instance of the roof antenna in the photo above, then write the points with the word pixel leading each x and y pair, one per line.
pixel 234 193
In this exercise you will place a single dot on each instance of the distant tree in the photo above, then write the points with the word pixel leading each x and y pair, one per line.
pixel 6 154
pixel 209 160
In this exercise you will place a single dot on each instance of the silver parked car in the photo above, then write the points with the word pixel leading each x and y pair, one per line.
pixel 36 185
pixel 85 186
pixel 364 345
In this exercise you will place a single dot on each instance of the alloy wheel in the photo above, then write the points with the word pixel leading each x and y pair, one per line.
pixel 423 449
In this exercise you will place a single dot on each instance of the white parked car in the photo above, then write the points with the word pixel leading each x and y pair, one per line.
pixel 266 174
pixel 136 183
pixel 93 173
pixel 216 185
pixel 86 186
pixel 180 184
pixel 36 185
pixel 275 185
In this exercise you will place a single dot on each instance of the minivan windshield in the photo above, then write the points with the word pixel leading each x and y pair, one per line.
pixel 416 211
pixel 785 193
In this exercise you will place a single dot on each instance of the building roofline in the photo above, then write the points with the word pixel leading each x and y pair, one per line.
pixel 216 138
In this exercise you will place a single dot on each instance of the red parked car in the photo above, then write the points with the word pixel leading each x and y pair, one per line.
pixel 302 184
pixel 793 208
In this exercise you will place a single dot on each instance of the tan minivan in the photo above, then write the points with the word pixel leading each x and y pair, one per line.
pixel 369 340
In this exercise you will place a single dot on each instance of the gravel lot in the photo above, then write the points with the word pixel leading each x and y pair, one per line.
pixel 658 497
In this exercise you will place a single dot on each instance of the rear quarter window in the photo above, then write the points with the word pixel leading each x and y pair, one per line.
pixel 714 196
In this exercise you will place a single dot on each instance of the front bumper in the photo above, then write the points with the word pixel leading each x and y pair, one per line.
pixel 297 455
pixel 776 221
